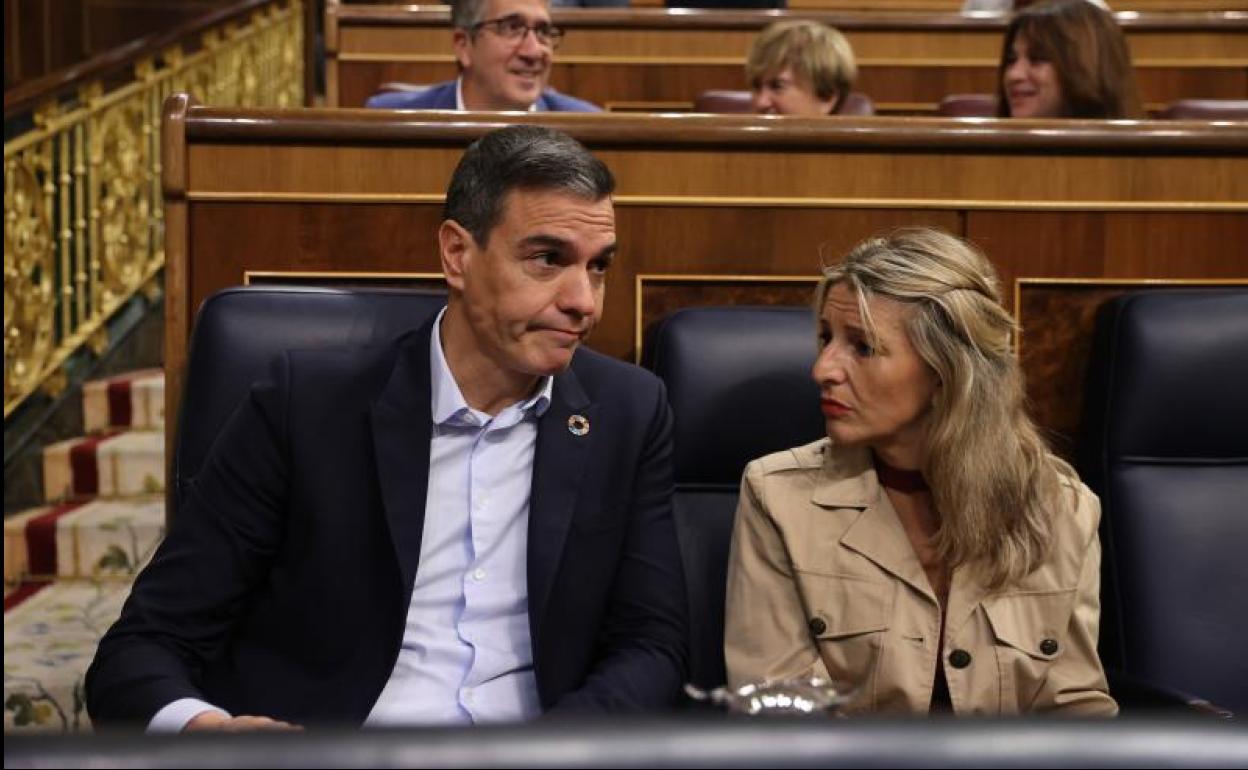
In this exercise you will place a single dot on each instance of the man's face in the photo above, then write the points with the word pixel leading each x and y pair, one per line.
pixel 503 74
pixel 535 291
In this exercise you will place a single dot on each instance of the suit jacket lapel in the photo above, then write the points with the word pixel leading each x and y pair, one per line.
pixel 558 465
pixel 402 427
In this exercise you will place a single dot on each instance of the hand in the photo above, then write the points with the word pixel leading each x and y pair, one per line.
pixel 216 721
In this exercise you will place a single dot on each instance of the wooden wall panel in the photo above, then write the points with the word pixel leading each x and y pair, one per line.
pixel 231 238
pixel 720 198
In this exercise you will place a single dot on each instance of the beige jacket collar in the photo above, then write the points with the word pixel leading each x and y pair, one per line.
pixel 849 481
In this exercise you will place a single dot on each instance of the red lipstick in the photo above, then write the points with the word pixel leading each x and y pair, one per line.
pixel 833 408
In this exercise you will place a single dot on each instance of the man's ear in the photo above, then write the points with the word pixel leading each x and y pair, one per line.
pixel 456 247
pixel 461 44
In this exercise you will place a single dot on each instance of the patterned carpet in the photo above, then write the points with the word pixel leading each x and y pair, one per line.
pixel 68 565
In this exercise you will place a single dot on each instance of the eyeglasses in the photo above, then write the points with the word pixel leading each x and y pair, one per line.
pixel 513 28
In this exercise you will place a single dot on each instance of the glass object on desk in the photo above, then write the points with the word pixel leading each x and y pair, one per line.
pixel 783 697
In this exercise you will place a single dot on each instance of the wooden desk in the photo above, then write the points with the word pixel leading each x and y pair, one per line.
pixel 654 59
pixel 724 209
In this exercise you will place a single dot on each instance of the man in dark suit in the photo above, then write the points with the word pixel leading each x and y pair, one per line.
pixel 503 50
pixel 471 524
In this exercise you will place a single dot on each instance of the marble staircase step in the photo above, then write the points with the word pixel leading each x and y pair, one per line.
pixel 131 401
pixel 106 466
pixel 95 539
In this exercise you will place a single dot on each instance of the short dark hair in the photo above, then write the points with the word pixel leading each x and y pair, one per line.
pixel 520 157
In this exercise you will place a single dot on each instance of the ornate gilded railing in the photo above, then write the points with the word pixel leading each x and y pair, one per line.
pixel 83 218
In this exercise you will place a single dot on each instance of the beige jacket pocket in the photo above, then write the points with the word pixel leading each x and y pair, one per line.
pixel 848 617
pixel 1030 634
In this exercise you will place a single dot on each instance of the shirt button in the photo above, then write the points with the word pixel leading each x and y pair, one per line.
pixel 1048 646
pixel 478 574
pixel 959 659
pixel 817 626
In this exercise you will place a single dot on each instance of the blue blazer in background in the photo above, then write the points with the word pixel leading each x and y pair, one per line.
pixel 441 96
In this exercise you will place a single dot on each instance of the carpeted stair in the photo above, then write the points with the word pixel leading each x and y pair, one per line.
pixel 68 564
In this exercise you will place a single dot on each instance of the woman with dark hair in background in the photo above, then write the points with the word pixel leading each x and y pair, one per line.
pixel 1066 59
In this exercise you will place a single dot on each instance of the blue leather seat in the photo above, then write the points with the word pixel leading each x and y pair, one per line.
pixel 1165 446
pixel 738 379
pixel 238 332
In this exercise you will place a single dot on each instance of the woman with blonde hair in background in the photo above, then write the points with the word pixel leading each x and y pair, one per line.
pixel 800 68
pixel 930 553
pixel 1066 59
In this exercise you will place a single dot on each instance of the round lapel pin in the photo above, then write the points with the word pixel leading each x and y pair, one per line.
pixel 578 425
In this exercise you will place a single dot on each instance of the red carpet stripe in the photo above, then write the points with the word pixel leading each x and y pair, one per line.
pixel 41 540
pixel 83 468
pixel 23 592
pixel 120 409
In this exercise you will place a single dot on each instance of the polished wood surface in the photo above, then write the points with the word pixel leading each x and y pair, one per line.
pixel 908 61
pixel 724 197
pixel 113 54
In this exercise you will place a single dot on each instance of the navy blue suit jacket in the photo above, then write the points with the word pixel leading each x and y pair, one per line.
pixel 283 585
pixel 441 96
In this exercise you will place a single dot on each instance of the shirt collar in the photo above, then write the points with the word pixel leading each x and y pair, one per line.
pixel 449 404
pixel 459 96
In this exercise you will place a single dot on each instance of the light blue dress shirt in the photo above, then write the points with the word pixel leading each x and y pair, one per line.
pixel 466 655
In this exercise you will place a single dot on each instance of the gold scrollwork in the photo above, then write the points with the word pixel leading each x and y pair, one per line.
pixel 29 269
pixel 120 159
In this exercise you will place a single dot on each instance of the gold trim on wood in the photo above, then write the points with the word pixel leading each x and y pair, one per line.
pixel 726 201
pixel 338 274
pixel 641 278
pixel 739 61
pixel 282 197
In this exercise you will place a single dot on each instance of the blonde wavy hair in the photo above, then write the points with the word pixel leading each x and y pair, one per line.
pixel 989 470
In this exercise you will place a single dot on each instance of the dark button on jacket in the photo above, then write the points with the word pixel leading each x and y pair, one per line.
pixel 959 659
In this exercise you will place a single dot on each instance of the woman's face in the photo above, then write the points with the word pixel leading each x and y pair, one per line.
pixel 1030 83
pixel 783 93
pixel 874 396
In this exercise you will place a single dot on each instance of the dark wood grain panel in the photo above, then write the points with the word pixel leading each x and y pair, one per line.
pixel 661 296
pixel 1091 244
pixel 232 238
pixel 1058 320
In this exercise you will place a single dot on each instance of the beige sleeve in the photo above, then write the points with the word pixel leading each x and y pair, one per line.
pixel 765 626
pixel 1076 684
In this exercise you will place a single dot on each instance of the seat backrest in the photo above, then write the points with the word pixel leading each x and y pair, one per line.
pixel 738 379
pixel 1165 445
pixel 239 331
pixel 967 106
pixel 1206 109
pixel 856 103
pixel 725 101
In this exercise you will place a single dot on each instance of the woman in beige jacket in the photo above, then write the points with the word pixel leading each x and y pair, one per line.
pixel 930 554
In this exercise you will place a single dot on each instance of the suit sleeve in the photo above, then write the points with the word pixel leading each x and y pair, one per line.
pixel 1076 683
pixel 643 642
pixel 219 548
pixel 765 632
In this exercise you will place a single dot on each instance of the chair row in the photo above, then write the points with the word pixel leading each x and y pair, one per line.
pixel 973 106
pixel 1163 446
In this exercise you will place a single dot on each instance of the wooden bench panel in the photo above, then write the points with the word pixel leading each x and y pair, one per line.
pixel 736 203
